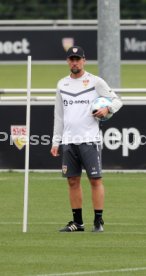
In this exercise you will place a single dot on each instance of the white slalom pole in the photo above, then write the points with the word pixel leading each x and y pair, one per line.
pixel 25 211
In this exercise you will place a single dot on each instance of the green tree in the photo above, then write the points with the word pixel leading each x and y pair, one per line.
pixel 133 9
pixel 85 9
pixel 33 9
pixel 57 9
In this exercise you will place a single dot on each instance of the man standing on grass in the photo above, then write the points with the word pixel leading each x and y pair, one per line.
pixel 78 132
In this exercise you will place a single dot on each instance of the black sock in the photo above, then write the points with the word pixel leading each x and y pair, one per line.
pixel 77 215
pixel 98 215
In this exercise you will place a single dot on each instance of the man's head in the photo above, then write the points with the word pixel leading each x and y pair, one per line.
pixel 76 59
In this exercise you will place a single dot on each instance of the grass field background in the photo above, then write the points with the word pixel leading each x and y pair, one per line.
pixel 46 76
pixel 44 251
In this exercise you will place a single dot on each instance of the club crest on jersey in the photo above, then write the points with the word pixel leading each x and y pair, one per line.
pixel 64 169
pixel 85 82
pixel 18 136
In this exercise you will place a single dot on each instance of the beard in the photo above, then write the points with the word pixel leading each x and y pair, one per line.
pixel 75 70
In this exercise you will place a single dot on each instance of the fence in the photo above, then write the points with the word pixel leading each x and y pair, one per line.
pixel 73 22
pixel 53 90
pixel 8 95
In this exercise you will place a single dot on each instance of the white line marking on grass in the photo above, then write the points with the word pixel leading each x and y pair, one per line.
pixel 9 223
pixel 96 272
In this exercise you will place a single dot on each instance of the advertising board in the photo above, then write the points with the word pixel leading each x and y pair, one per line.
pixel 51 44
pixel 123 138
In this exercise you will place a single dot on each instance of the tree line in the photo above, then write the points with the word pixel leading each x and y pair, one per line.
pixel 57 9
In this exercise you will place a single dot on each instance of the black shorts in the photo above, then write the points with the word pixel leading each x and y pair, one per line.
pixel 85 155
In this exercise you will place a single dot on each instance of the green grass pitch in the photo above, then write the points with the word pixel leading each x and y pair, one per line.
pixel 44 251
pixel 46 76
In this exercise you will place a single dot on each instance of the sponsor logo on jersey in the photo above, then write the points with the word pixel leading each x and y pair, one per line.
pixel 71 102
pixel 65 103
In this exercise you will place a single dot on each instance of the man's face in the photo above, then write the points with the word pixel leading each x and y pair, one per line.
pixel 76 64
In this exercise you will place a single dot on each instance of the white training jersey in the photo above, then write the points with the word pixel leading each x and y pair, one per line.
pixel 73 120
